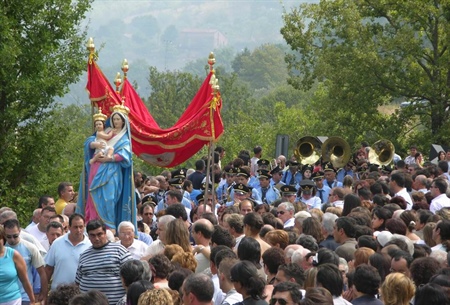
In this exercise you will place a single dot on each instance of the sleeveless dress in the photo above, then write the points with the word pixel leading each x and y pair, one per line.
pixel 9 279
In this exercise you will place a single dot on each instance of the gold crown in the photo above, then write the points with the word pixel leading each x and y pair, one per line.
pixel 99 116
pixel 122 108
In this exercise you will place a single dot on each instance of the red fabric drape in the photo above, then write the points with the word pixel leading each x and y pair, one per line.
pixel 197 126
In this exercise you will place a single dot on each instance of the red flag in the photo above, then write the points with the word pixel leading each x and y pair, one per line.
pixel 197 126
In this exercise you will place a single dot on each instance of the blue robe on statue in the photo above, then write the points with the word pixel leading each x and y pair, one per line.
pixel 107 189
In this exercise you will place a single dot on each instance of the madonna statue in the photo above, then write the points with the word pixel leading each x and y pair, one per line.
pixel 106 187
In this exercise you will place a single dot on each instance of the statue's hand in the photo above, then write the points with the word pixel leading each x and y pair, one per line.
pixel 98 145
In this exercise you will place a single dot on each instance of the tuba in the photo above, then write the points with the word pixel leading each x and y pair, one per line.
pixel 337 151
pixel 381 152
pixel 307 150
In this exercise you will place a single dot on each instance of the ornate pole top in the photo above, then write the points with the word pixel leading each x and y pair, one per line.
pixel 118 81
pixel 125 68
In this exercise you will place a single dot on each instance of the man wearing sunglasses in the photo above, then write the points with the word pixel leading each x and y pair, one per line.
pixel 286 293
pixel 285 212
pixel 33 259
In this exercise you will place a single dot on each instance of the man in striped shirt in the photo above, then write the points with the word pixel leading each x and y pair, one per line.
pixel 99 266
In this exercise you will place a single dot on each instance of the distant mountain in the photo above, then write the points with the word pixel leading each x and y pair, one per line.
pixel 171 34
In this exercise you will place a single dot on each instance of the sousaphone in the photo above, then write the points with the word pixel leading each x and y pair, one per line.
pixel 381 152
pixel 337 151
pixel 308 150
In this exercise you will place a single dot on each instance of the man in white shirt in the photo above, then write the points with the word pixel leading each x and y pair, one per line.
pixel 336 197
pixel 254 161
pixel 136 247
pixel 420 184
pixel 202 231
pixel 39 230
pixel 397 186
pixel 438 190
pixel 285 212
pixel 158 245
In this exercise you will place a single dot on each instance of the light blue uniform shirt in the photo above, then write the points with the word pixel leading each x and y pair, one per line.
pixel 63 257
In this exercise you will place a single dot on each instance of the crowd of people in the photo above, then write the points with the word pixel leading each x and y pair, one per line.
pixel 256 232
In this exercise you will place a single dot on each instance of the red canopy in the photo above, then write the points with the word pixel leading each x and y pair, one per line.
pixel 200 124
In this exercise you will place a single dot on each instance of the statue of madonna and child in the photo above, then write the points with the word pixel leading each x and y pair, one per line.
pixel 106 186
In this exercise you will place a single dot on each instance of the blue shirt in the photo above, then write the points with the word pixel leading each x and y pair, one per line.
pixel 287 177
pixel 9 279
pixel 342 173
pixel 323 193
pixel 272 194
pixel 63 256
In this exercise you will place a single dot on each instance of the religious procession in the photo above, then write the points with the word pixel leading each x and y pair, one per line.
pixel 319 222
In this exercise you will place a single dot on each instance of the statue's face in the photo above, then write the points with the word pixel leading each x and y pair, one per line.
pixel 99 125
pixel 117 121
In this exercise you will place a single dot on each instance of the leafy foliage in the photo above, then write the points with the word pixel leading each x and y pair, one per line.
pixel 368 53
pixel 42 52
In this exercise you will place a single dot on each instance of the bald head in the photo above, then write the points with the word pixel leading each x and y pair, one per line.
pixel 36 215
pixel 203 230
pixel 420 182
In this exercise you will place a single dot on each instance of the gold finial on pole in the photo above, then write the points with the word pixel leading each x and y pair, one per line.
pixel 211 61
pixel 90 46
pixel 118 81
pixel 125 68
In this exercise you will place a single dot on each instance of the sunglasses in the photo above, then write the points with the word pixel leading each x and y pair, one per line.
pixel 281 212
pixel 14 236
pixel 274 301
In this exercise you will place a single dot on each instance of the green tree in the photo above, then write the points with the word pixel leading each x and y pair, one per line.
pixel 45 154
pixel 42 51
pixel 262 68
pixel 368 53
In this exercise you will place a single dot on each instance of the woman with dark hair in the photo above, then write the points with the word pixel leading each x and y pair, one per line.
pixel 380 200
pixel 317 296
pixel 442 156
pixel 136 289
pixel 312 226
pixel 418 158
pixel 177 233
pixel 248 283
pixel 396 226
pixel 325 256
pixel 351 201
pixel 250 250
pixel 379 217
pixel 431 294
pixel 410 219
pixel 161 267
pixel 400 201
pixel 382 262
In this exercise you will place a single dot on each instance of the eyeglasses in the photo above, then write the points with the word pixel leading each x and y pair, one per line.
pixel 14 236
pixel 274 301
pixel 281 212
